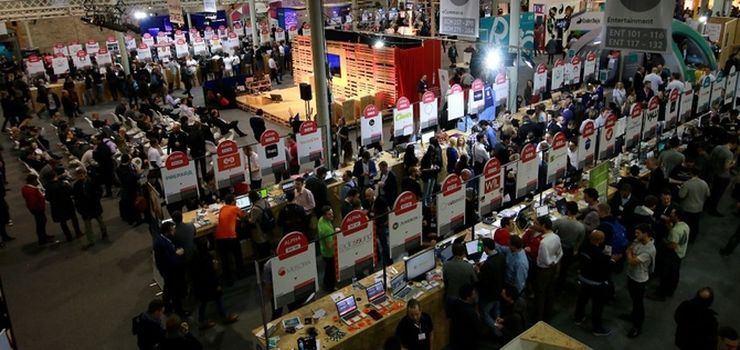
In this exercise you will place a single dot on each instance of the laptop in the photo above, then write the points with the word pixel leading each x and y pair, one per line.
pixel 348 311
pixel 472 250
pixel 445 253
pixel 400 288
pixel 243 202
pixel 376 294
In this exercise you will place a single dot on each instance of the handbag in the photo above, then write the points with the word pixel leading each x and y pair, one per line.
pixel 140 203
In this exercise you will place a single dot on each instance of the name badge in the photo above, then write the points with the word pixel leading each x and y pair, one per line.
pixel 422 336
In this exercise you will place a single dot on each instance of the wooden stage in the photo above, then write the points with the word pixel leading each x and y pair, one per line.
pixel 277 112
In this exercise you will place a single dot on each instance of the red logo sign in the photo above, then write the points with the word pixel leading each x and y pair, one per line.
pixel 269 137
pixel 529 152
pixel 500 79
pixel 455 89
pixel 674 95
pixel 588 128
pixel 559 62
pixel 611 120
pixel 354 222
pixel 292 244
pixel 636 111
pixel 402 103
pixel 492 168
pixel 559 141
pixel 176 160
pixel 541 68
pixel 653 104
pixel 452 184
pixel 370 111
pixel 82 53
pixel 227 147
pixel 111 39
pixel 428 97
pixel 575 61
pixel 478 85
pixel 309 127
pixel 591 56
pixel 405 203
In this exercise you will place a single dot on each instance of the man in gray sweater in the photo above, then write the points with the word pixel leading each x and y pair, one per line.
pixel 693 193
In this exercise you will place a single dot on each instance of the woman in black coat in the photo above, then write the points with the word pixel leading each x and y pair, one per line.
pixel 206 286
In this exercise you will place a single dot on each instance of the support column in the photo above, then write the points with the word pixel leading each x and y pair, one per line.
pixel 124 52
pixel 318 55
pixel 433 17
pixel 356 14
pixel 29 38
pixel 514 10
pixel 253 20
pixel 190 21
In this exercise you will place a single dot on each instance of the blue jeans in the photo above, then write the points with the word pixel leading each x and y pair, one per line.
pixel 489 311
pixel 428 189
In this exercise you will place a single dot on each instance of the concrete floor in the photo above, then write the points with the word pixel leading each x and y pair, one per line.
pixel 60 297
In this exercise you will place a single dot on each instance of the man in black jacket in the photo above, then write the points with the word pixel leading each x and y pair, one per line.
pixel 197 136
pixel 171 265
pixel 415 329
pixel 593 279
pixel 177 140
pixel 465 324
pixel 388 185
pixel 318 188
pixel 491 281
pixel 87 200
pixel 104 157
pixel 147 326
pixel 696 323
pixel 257 123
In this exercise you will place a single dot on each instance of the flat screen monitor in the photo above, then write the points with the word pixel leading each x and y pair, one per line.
pixel 445 253
pixel 375 291
pixel 288 186
pixel 346 305
pixel 419 264
pixel 335 65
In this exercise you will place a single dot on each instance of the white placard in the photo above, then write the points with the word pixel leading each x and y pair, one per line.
pixel 265 37
pixel 209 6
pixel 671 108
pixel 180 35
pixel 540 80
pixel 60 48
pixel 403 117
pixel 34 65
pixel 143 52
pixel 81 59
pixel 589 67
pixel 634 126
pixel 371 127
pixel 718 91
pixel 130 42
pixel 638 25
pixel 232 40
pixel 271 153
pixel 162 38
pixel 455 103
pixel 103 57
pixel 279 34
pixel 208 32
pixel 179 178
pixel 459 17
pixel 92 46
pixel 111 44
pixel 60 64
pixel 199 47
pixel 292 32
pixel 310 145
pixel 450 205
pixel 147 39
pixel 687 101
pixel 239 29
pixel 404 224
pixel 491 187
pixel 713 30
pixel 355 248
pixel 428 110
pixel 731 86
pixel 705 91
pixel 558 75
pixel 650 126
pixel 181 48
pixel 527 171
pixel 228 164
pixel 74 48
pixel 294 272
pixel 587 144
pixel 608 137
pixel 557 158
pixel 476 96
pixel 164 51
pixel 575 70
pixel 501 89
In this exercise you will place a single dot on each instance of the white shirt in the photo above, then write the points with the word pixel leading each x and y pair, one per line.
pixel 480 155
pixel 305 200
pixel 87 158
pixel 254 166
pixel 155 157
pixel 281 50
pixel 227 63
pixel 171 100
pixel 271 63
pixel 573 158
pixel 655 81
pixel 675 84
pixel 550 250
pixel 618 96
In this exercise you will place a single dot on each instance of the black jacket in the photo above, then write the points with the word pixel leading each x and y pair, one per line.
pixel 390 188
pixel 595 265
pixel 491 277
pixel 87 199
pixel 59 196
pixel 696 326
pixel 149 332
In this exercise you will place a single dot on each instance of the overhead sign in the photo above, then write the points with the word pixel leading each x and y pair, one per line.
pixel 687 101
pixel 294 273
pixel 60 64
pixel 705 91
pixel 527 172
pixel 355 248
pixel 455 103
pixel 557 158
pixel 403 118
pixel 587 21
pixel 404 224
pixel 638 25
pixel 174 8
pixel 179 178
pixel 228 168
pixel 271 153
pixel 428 110
pixel 209 6
pixel 371 128
pixel 608 137
pixel 495 30
pixel 491 187
pixel 558 75
pixel 651 118
pixel 450 205
pixel 671 109
pixel 634 126
pixel 459 17
pixel 587 144
pixel 589 67
pixel 309 142
pixel 540 80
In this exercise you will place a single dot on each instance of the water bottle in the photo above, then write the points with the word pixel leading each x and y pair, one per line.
pixel 480 245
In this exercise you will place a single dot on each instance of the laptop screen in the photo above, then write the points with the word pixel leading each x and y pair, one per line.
pixel 471 247
pixel 375 291
pixel 542 211
pixel 446 253
pixel 243 202
pixel 397 282
pixel 346 305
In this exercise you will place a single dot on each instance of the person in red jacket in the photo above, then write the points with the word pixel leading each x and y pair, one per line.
pixel 37 206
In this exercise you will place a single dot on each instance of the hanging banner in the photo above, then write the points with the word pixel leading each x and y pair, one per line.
pixel 271 153
pixel 143 53
pixel 501 89
pixel 687 101
pixel 587 144
pixel 428 110
pixel 199 47
pixel 112 44
pixel 34 65
pixel 455 103
pixel 355 246
pixel 403 118
pixel 60 64
pixel 180 35
pixel 671 109
pixel 130 42
pixel 495 30
pixel 164 51
pixel 179 178
pixel 92 46
pixel 371 128
pixel 557 158
pixel 702 104
pixel 103 57
pixel 476 95
pixel 527 174
pixel 209 6
pixel 147 39
pixel 651 118
pixel 310 145
pixel 404 224
pixel 228 169
pixel 265 37
pixel 558 72
pixel 575 70
pixel 294 273
pixel 81 59
pixel 450 205
pixel 491 189
pixel 279 34
pixel 589 67
pixel 60 48
pixel 718 91
pixel 608 137
pixel 639 26
pixel 73 48
pixel 540 80
pixel 634 126
pixel 174 9
pixel 181 48
pixel 459 17
pixel 731 86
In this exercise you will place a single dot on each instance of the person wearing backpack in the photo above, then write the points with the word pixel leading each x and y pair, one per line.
pixel 263 223
pixel 147 326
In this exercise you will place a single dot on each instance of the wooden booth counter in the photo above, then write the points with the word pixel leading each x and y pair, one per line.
pixel 57 89
pixel 543 336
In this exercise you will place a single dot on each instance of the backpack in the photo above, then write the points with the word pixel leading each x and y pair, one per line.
pixel 267 220
pixel 619 241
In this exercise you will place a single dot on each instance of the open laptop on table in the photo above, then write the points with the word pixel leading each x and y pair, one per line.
pixel 243 202
pixel 376 295
pixel 472 250
pixel 400 289
pixel 348 311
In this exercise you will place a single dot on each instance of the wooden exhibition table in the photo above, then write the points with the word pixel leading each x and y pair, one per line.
pixel 57 89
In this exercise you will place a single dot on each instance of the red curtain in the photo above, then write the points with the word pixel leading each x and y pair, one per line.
pixel 411 64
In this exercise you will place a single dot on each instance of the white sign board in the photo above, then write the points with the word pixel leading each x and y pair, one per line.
pixel 450 205
pixel 355 248
pixel 81 59
pixel 181 48
pixel 103 57
pixel 179 178
pixel 557 158
pixel 491 187
pixel 459 17
pixel 634 126
pixel 403 118
pixel 527 173
pixel 558 75
pixel 310 147
pixel 271 152
pixel 455 103
pixel 34 65
pixel 540 80
pixel 501 89
pixel 575 70
pixel 587 144
pixel 608 137
pixel 718 91
pixel 638 25
pixel 589 67
pixel 671 108
pixel 60 64
pixel 687 101
pixel 404 224
pixel 371 127
pixel 294 273
pixel 651 118
pixel 428 110
pixel 228 164
pixel 705 91
pixel 731 85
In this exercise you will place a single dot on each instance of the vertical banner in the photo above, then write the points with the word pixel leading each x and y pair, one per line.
pixel 404 224
pixel 292 32
pixel 651 118
pixel 228 167
pixel 476 95
pixel 403 117
pixel 558 72
pixel 575 70
pixel 459 17
pixel 143 53
pixel 428 110
pixel 103 57
pixel 491 187
pixel 147 39
pixel 705 90
pixel 199 47
pixel 527 174
pixel 174 9
pixel 444 78
pixel 634 126
pixel 589 67
pixel 179 179
pixel 557 159
pixel 112 44
pixel 272 153
pixel 81 59
pixel 450 205
pixel 355 248
pixel 310 147
pixel 540 80
pixel 687 101
pixel 671 108
pixel 181 48
pixel 371 128
pixel 587 144
pixel 608 137
pixel 455 103
pixel 294 273
pixel 60 64
pixel 92 46
pixel 60 48
pixel 718 91
pixel 501 89
pixel 34 65
pixel 731 85
pixel 73 48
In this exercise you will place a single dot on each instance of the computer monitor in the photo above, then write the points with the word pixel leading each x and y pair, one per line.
pixel 288 186
pixel 419 264
pixel 243 202
pixel 375 291
pixel 542 211
pixel 346 305
pixel 445 253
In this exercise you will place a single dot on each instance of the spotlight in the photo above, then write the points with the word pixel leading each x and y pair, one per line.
pixel 379 44
pixel 140 15
pixel 493 59
pixel 703 19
